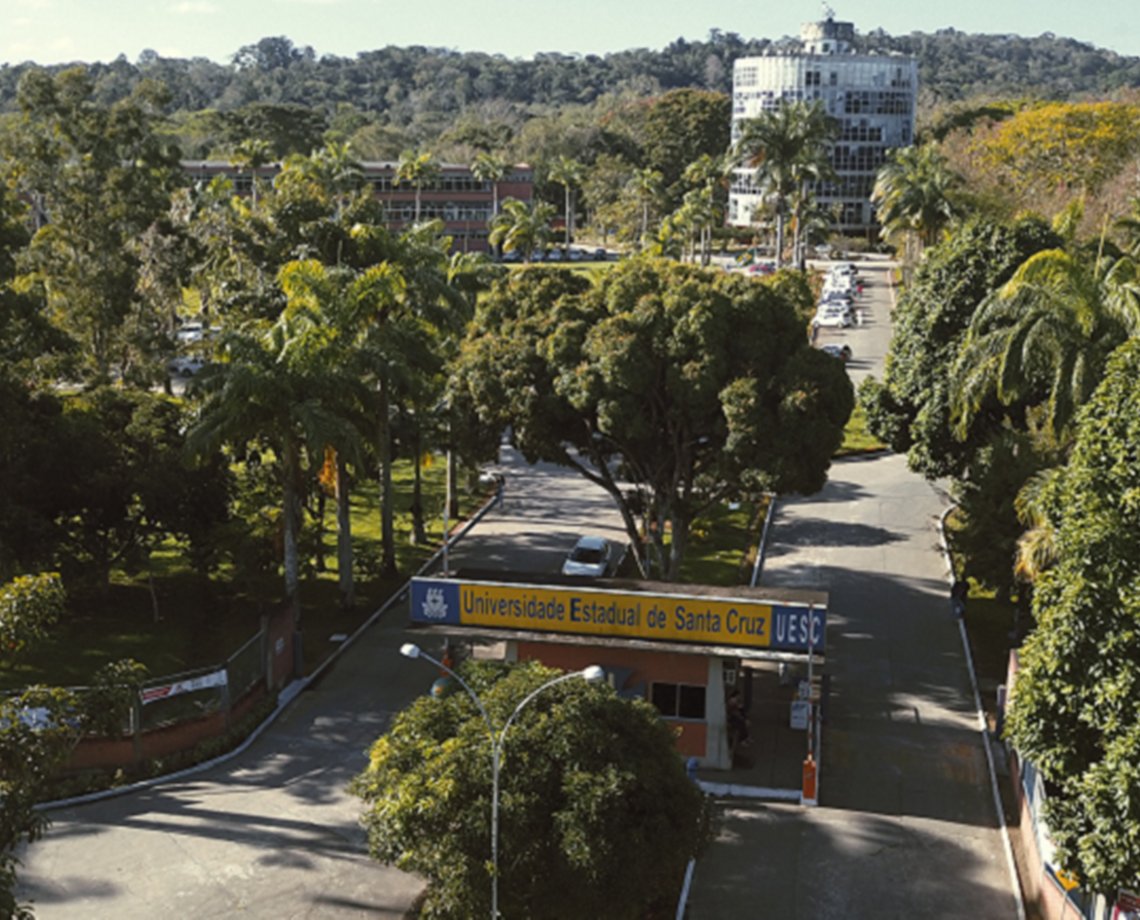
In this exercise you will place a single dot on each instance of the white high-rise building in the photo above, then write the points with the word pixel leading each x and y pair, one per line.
pixel 871 96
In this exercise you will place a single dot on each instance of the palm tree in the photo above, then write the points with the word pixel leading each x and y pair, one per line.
pixel 490 168
pixel 418 170
pixel 271 392
pixel 519 227
pixel 709 177
pixel 251 154
pixel 1045 335
pixel 914 194
pixel 783 147
pixel 646 186
pixel 329 312
pixel 567 172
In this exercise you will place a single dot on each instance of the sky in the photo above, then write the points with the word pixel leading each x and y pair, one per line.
pixel 58 31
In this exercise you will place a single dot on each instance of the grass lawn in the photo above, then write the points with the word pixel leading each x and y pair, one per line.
pixel 856 438
pixel 202 624
pixel 722 545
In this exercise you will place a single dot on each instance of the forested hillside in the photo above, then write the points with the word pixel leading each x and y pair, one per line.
pixel 427 88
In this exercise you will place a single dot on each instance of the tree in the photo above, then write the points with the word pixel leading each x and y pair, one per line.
pixel 678 128
pixel 40 726
pixel 783 147
pixel 646 187
pixel 271 389
pixel 914 196
pixel 330 312
pixel 99 175
pixel 520 227
pixel 1074 713
pixel 418 170
pixel 567 173
pixel 696 387
pixel 1045 335
pixel 490 168
pixel 251 154
pixel 911 408
pixel 597 816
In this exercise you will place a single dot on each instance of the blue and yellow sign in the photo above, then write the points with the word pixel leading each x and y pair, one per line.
pixel 632 615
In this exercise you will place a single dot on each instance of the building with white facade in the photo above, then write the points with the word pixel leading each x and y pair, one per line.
pixel 871 96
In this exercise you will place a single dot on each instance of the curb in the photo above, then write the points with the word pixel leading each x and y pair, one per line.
pixel 944 545
pixel 285 697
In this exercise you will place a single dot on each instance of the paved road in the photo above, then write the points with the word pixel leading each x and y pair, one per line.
pixel 907 826
pixel 273 834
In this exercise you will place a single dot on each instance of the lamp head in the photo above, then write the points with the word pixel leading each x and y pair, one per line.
pixel 410 650
pixel 593 674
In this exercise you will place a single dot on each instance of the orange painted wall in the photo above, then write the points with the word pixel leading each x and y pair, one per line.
pixel 667 667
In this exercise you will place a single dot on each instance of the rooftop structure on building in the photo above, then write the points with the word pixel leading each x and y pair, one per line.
pixel 455 195
pixel 871 96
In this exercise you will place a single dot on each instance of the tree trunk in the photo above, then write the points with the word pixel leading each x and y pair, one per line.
pixel 678 545
pixel 419 534
pixel 566 222
pixel 292 524
pixel 387 513
pixel 780 235
pixel 322 503
pixel 344 537
pixel 452 482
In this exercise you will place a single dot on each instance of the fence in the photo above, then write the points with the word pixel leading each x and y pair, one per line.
pixel 176 712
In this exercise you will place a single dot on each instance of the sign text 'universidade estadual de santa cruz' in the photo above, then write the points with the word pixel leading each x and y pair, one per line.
pixel 721 620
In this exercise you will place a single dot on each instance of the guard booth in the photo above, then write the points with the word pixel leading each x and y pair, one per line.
pixel 691 650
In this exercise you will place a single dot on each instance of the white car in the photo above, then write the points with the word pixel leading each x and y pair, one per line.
pixel 191 332
pixel 833 316
pixel 591 556
pixel 185 366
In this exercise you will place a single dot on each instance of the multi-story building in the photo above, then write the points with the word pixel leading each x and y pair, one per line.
pixel 463 202
pixel 871 96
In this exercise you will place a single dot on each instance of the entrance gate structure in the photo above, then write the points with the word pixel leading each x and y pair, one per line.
pixel 737 672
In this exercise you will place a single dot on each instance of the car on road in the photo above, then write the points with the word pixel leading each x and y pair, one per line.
pixel 842 352
pixel 836 316
pixel 185 366
pixel 591 556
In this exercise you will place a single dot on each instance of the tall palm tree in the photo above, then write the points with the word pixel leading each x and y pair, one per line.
pixel 490 168
pixel 567 172
pixel 646 186
pixel 914 195
pixel 779 147
pixel 1045 335
pixel 520 227
pixel 268 391
pixel 418 170
pixel 709 176
pixel 251 154
pixel 329 312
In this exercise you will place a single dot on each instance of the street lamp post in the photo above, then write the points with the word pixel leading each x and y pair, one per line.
pixel 593 674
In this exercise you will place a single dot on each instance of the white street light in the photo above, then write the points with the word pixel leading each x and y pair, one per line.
pixel 593 674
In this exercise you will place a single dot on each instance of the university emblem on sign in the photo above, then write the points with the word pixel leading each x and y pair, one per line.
pixel 434 607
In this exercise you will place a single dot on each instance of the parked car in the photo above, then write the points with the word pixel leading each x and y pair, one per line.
pixel 191 332
pixel 185 366
pixel 591 556
pixel 842 352
pixel 839 317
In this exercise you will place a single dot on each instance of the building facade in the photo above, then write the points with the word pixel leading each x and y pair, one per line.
pixel 871 96
pixel 463 202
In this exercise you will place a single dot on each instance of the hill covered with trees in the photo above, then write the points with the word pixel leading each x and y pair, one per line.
pixel 420 93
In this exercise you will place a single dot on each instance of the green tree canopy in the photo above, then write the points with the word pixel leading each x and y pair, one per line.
pixel 1074 712
pixel 700 385
pixel 597 815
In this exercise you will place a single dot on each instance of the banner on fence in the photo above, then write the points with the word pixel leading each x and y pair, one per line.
pixel 202 682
